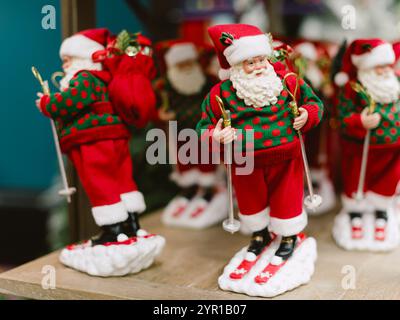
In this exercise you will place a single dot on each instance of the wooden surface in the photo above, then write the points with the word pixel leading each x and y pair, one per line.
pixel 192 261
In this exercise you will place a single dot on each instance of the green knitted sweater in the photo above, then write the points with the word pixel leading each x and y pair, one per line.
pixel 272 125
pixel 350 106
pixel 83 112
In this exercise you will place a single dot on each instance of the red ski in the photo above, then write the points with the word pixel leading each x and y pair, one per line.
pixel 380 233
pixel 197 212
pixel 270 270
pixel 356 232
pixel 245 266
pixel 179 211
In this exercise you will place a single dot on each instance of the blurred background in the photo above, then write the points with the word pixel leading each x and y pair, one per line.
pixel 33 218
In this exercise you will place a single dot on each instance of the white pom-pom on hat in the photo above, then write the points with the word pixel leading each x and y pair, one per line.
pixel 341 78
pixel 224 74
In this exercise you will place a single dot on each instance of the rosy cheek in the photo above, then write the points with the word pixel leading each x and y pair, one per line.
pixel 248 69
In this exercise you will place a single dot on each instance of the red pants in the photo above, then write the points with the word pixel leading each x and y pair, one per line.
pixel 105 170
pixel 272 195
pixel 383 170
pixel 382 176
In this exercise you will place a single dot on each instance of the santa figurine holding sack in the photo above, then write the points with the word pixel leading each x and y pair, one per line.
pixel 260 98
pixel 181 90
pixel 94 135
pixel 368 107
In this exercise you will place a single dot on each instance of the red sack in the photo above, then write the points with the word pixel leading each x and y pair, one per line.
pixel 130 89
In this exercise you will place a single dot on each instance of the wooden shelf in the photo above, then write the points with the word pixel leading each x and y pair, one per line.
pixel 192 261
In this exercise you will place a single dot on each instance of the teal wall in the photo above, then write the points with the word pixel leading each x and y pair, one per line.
pixel 116 16
pixel 27 155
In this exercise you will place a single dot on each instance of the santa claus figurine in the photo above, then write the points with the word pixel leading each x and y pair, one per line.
pixel 370 137
pixel 260 98
pixel 312 62
pixel 201 201
pixel 95 137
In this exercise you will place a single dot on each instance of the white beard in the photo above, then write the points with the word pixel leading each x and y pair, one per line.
pixel 187 82
pixel 382 88
pixel 257 91
pixel 77 65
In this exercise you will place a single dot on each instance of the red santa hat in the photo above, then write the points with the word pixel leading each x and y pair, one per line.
pixel 235 43
pixel 307 50
pixel 171 52
pixel 83 44
pixel 396 49
pixel 364 54
pixel 180 51
pixel 312 50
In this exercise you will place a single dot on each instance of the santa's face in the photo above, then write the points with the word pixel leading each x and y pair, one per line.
pixel 381 83
pixel 186 77
pixel 384 70
pixel 71 65
pixel 256 82
pixel 66 62
pixel 255 65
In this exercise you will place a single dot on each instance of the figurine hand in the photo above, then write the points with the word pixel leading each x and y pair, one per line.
pixel 37 102
pixel 370 121
pixel 301 120
pixel 225 135
pixel 165 115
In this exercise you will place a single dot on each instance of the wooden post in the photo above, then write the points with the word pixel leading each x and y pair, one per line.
pixel 75 16
pixel 274 11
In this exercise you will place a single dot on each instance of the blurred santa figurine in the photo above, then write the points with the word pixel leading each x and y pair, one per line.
pixel 94 136
pixel 201 201
pixel 370 137
pixel 259 98
pixel 312 62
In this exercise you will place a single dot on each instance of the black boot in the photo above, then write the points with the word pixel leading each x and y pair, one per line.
pixel 109 233
pixel 209 193
pixel 132 225
pixel 189 192
pixel 259 240
pixel 354 215
pixel 381 214
pixel 287 246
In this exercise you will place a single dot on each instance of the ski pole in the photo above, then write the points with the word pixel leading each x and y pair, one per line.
pixel 67 191
pixel 313 200
pixel 231 224
pixel 364 160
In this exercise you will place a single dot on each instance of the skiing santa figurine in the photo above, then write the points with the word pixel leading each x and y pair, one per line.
pixel 368 107
pixel 201 201
pixel 260 98
pixel 312 62
pixel 94 136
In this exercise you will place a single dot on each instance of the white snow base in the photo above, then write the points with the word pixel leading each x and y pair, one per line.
pixel 210 212
pixel 342 232
pixel 297 271
pixel 113 260
pixel 167 216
